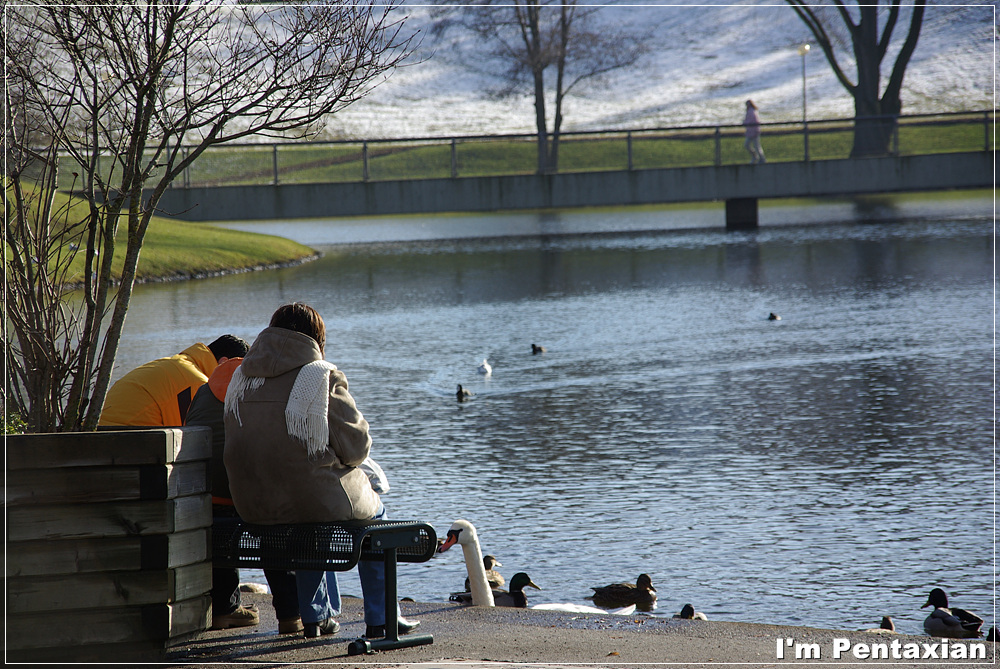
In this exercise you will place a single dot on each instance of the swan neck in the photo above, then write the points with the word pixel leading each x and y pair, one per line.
pixel 482 594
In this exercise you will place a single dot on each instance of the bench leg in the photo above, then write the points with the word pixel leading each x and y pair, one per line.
pixel 391 640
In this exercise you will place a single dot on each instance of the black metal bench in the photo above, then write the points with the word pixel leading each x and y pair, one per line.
pixel 330 547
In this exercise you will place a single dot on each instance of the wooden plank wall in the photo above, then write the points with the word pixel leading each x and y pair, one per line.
pixel 108 535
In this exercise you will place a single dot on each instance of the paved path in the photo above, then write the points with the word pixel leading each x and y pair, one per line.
pixel 477 637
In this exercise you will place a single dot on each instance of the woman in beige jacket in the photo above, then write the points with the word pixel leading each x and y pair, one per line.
pixel 294 443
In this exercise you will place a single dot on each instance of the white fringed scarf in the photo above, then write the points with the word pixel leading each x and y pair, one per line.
pixel 306 411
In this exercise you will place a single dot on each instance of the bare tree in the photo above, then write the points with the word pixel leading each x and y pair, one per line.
pixel 110 93
pixel 529 38
pixel 875 109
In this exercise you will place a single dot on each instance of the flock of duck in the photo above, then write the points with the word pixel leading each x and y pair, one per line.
pixel 462 394
pixel 484 587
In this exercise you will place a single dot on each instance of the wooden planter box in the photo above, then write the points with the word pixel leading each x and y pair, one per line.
pixel 108 550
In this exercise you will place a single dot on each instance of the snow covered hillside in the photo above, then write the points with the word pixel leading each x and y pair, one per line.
pixel 705 60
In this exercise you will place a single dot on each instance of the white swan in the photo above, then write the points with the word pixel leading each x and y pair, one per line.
pixel 463 533
pixel 485 368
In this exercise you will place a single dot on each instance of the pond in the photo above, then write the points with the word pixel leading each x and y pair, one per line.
pixel 824 469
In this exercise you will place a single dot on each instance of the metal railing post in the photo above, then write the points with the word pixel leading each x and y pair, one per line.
pixel 805 139
pixel 628 140
pixel 364 161
pixel 187 170
pixel 718 146
pixel 454 160
pixel 986 131
pixel 274 163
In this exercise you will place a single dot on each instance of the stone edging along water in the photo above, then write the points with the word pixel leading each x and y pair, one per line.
pixel 186 276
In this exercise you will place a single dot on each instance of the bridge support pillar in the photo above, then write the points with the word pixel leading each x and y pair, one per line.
pixel 741 213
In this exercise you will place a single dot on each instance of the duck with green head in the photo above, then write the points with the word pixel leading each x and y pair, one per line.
pixel 950 623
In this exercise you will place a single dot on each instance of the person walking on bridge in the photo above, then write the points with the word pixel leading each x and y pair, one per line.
pixel 752 124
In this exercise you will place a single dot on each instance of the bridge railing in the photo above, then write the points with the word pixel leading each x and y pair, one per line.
pixel 490 155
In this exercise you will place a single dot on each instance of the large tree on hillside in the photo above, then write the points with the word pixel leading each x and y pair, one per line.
pixel 543 47
pixel 109 93
pixel 870 26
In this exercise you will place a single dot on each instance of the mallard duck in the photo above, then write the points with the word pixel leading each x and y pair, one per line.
pixel 950 623
pixel 484 368
pixel 688 613
pixel 887 627
pixel 493 577
pixel 463 393
pixel 515 597
pixel 641 593
pixel 536 349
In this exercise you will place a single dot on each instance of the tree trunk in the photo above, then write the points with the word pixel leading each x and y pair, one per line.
pixel 542 131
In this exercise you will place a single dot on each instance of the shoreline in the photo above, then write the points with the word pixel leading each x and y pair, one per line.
pixel 195 275
pixel 474 637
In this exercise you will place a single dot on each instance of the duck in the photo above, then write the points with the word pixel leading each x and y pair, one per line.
pixel 688 613
pixel 463 393
pixel 536 349
pixel 950 623
pixel 515 596
pixel 463 533
pixel 992 636
pixel 773 317
pixel 484 368
pixel 886 627
pixel 493 577
pixel 641 593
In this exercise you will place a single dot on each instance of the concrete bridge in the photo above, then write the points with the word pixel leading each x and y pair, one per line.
pixel 740 186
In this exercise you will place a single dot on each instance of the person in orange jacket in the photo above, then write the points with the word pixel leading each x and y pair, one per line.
pixel 159 393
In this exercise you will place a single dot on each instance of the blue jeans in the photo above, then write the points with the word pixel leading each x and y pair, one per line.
pixel 319 592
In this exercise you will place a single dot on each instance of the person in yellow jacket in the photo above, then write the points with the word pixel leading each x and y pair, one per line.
pixel 160 392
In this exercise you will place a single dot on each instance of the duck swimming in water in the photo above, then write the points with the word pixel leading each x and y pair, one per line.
pixel 887 627
pixel 641 593
pixel 536 349
pixel 688 613
pixel 515 597
pixel 484 368
pixel 950 623
pixel 463 393
pixel 493 577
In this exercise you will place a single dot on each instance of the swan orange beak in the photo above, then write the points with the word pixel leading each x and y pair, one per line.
pixel 449 541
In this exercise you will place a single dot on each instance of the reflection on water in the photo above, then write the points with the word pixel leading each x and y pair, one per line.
pixel 825 469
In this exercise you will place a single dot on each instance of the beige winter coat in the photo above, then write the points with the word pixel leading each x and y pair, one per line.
pixel 271 477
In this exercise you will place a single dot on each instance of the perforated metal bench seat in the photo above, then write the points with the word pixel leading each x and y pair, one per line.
pixel 330 547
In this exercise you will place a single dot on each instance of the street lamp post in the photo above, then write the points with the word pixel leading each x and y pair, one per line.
pixel 803 50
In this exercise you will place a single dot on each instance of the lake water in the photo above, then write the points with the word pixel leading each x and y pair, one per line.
pixel 824 469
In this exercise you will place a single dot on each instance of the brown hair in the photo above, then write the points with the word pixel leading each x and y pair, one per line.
pixel 302 318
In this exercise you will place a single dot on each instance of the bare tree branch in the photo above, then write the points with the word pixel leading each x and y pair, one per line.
pixel 110 93
pixel 518 42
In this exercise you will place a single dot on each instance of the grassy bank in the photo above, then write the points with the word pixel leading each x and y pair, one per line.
pixel 179 249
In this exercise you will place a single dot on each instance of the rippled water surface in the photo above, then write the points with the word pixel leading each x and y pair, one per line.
pixel 825 469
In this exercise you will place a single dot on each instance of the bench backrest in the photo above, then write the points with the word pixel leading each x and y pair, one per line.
pixel 318 546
